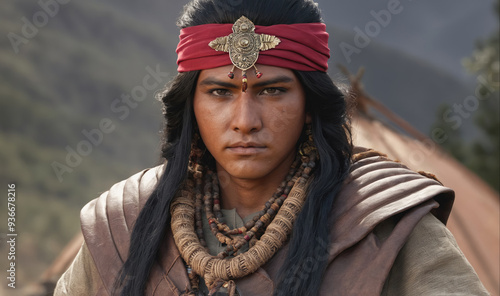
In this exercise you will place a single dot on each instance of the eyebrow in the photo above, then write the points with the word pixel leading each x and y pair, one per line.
pixel 279 79
pixel 210 81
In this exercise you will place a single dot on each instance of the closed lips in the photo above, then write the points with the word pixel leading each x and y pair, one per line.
pixel 246 145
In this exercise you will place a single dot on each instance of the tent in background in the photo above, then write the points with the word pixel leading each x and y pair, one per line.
pixel 475 218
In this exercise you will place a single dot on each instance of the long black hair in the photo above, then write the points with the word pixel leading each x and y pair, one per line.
pixel 302 271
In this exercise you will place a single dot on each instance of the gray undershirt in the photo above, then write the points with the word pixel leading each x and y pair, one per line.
pixel 233 220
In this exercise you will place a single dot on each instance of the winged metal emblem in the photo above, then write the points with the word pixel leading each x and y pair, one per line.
pixel 244 44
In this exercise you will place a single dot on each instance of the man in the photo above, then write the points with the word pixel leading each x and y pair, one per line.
pixel 262 192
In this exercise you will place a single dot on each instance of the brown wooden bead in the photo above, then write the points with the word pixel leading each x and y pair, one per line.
pixel 275 206
pixel 250 223
pixel 265 218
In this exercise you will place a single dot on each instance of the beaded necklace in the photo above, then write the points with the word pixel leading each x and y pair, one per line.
pixel 257 225
pixel 266 233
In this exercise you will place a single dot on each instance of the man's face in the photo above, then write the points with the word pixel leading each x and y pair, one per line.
pixel 250 134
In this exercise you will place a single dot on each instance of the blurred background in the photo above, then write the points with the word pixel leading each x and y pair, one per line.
pixel 78 81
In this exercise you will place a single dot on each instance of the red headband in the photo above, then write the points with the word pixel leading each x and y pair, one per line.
pixel 303 47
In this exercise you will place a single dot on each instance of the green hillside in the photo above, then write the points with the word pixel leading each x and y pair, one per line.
pixel 63 82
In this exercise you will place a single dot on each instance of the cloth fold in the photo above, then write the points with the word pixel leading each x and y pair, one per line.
pixel 377 190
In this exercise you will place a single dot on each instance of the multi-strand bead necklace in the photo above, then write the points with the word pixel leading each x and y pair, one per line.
pixel 265 233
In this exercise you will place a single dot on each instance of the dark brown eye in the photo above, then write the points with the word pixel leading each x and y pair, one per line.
pixel 273 91
pixel 220 92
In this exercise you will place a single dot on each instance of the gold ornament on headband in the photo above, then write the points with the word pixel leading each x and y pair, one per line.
pixel 243 46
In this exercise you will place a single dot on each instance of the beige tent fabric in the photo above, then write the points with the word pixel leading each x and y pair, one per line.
pixel 474 220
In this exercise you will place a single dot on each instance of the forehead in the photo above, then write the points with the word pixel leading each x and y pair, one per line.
pixel 267 71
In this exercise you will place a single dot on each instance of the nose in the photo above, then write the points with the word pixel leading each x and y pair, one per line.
pixel 247 115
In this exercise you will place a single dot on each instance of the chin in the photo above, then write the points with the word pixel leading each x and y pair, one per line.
pixel 245 170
